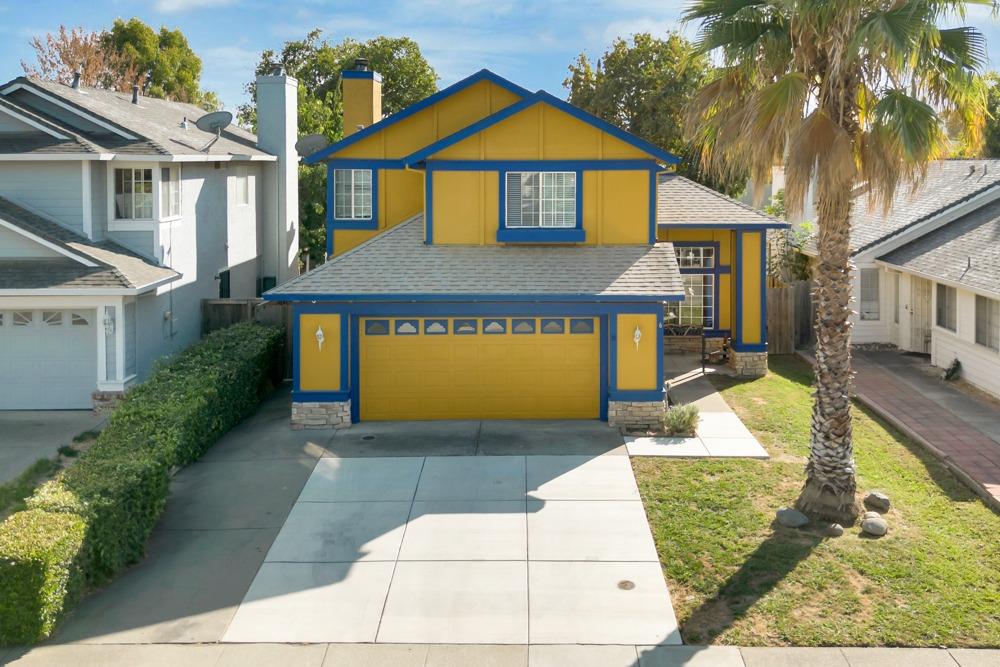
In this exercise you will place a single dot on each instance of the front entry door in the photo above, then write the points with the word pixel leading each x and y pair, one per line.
pixel 920 316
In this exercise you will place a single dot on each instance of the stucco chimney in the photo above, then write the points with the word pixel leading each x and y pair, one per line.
pixel 277 132
pixel 362 91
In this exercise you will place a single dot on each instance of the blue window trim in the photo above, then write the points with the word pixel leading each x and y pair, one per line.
pixel 318 396
pixel 333 223
pixel 396 323
pixel 429 322
pixel 462 322
pixel 502 321
pixel 738 343
pixel 549 320
pixel 718 270
pixel 386 322
pixel 542 97
pixel 587 321
pixel 374 128
pixel 519 320
pixel 507 234
pixel 353 312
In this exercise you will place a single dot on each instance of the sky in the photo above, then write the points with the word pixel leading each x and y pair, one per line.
pixel 529 42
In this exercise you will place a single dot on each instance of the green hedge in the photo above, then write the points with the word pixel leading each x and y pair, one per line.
pixel 94 519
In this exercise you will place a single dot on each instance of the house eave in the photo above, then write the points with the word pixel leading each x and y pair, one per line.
pixel 474 298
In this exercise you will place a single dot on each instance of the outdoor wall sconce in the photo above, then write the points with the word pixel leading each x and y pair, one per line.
pixel 637 336
pixel 320 338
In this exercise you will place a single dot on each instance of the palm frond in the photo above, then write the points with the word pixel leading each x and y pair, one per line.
pixel 912 123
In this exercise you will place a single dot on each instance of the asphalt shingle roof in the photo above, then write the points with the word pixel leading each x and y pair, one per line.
pixel 155 123
pixel 398 262
pixel 965 251
pixel 948 182
pixel 117 267
pixel 681 201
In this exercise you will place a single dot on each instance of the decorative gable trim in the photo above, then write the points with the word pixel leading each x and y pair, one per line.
pixel 481 75
pixel 27 120
pixel 542 97
pixel 68 106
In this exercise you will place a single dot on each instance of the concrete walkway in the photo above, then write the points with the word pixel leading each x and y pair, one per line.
pixel 29 435
pixel 719 434
pixel 963 432
pixel 451 655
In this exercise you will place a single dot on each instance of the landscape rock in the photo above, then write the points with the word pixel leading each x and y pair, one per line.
pixel 791 518
pixel 875 526
pixel 834 530
pixel 872 515
pixel 876 500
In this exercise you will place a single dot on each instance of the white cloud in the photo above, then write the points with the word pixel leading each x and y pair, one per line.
pixel 177 6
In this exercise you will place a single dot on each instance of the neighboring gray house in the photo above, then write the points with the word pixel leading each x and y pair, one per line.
pixel 928 272
pixel 117 217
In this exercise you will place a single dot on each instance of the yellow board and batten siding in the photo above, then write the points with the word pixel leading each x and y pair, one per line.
pixel 401 192
pixel 479 376
pixel 636 362
pixel 751 274
pixel 615 203
pixel 319 364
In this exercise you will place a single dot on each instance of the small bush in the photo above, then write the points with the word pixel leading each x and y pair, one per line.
pixel 115 493
pixel 40 572
pixel 681 420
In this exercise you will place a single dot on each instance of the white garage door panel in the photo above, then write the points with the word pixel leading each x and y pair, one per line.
pixel 47 366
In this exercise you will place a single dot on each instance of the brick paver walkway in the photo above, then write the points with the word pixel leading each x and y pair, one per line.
pixel 970 452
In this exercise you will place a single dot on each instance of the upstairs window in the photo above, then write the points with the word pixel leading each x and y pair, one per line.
pixel 540 199
pixel 352 194
pixel 170 191
pixel 946 307
pixel 134 194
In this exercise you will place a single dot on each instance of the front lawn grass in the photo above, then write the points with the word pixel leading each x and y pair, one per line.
pixel 737 578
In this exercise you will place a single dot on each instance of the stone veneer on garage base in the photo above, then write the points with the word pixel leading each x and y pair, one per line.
pixel 748 364
pixel 334 414
pixel 105 401
pixel 636 414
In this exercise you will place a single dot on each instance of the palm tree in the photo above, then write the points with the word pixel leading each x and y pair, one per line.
pixel 854 94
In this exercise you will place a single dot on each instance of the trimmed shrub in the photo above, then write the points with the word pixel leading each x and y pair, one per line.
pixel 115 493
pixel 40 572
pixel 681 420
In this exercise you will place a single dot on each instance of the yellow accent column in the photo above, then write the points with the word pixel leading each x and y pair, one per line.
pixel 637 365
pixel 751 308
pixel 362 102
pixel 319 352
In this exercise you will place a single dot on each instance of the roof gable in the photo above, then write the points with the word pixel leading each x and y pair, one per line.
pixel 543 98
pixel 389 121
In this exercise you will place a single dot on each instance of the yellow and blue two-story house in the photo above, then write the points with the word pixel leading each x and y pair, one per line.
pixel 496 253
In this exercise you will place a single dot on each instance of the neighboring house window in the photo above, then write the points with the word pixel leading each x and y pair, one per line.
pixel 895 298
pixel 242 187
pixel 170 191
pixel 541 199
pixel 697 264
pixel 352 194
pixel 988 322
pixel 946 307
pixel 870 307
pixel 134 194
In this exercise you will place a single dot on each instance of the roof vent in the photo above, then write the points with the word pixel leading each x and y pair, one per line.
pixel 135 93
pixel 361 64
pixel 972 169
pixel 76 79
pixel 184 123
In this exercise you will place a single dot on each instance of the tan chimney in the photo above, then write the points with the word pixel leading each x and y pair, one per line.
pixel 362 97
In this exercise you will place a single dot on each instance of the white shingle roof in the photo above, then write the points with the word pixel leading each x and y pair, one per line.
pixel 398 262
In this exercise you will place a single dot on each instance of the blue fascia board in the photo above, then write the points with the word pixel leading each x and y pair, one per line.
pixel 749 227
pixel 542 97
pixel 481 75
pixel 475 298
pixel 540 165
pixel 505 308
pixel 541 235
pixel 636 394
pixel 361 74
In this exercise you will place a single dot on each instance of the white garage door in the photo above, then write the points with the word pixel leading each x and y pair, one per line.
pixel 48 359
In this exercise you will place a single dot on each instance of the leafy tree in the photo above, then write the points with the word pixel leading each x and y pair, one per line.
pixel 58 56
pixel 407 77
pixel 991 134
pixel 846 92
pixel 643 86
pixel 165 63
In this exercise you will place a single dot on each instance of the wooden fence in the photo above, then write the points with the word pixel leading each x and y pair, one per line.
pixel 789 317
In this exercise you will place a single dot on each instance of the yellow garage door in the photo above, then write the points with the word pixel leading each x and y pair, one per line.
pixel 480 368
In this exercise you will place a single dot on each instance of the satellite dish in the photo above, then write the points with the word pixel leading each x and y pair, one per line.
pixel 214 122
pixel 310 144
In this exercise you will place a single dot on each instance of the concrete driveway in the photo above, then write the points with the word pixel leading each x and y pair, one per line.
pixel 29 435
pixel 447 532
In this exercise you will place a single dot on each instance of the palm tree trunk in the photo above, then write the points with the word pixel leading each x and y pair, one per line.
pixel 830 488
